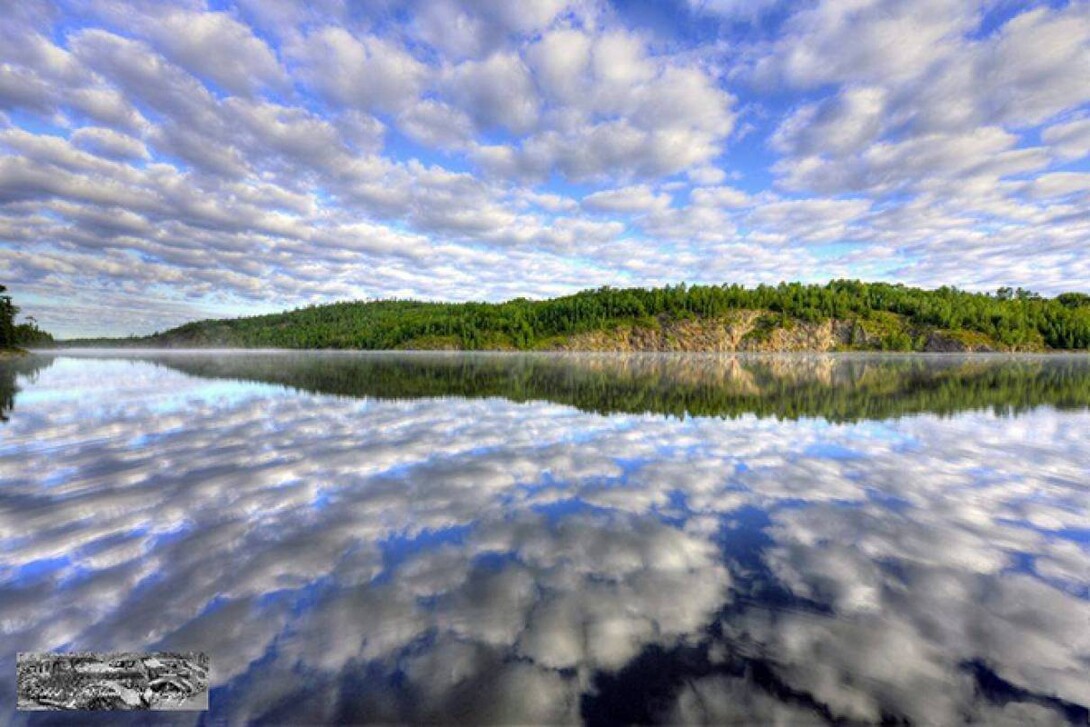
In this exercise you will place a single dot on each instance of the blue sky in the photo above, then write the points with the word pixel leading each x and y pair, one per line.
pixel 166 162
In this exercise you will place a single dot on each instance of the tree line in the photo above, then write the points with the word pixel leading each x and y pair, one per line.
pixel 15 335
pixel 901 316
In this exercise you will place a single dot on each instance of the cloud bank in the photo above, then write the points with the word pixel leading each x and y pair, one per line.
pixel 159 164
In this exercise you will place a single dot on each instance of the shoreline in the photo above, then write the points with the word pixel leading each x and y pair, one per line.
pixel 61 350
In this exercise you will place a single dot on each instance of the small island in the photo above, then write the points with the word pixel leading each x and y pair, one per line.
pixel 842 315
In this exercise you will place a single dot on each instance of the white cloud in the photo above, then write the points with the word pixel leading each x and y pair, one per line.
pixel 109 143
pixel 496 92
pixel 627 200
pixel 811 219
pixel 865 41
pixel 560 60
pixel 843 124
pixel 364 71
pixel 612 108
pixel 1071 140
pixel 933 160
pixel 218 47
pixel 707 175
pixel 436 124
pixel 1061 184
pixel 1036 67
pixel 923 104
pixel 473 29
pixel 721 197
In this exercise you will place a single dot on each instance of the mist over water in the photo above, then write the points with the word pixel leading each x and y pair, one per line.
pixel 559 539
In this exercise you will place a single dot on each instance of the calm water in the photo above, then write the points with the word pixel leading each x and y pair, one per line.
pixel 597 538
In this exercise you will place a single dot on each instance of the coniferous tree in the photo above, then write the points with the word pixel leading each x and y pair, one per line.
pixel 7 319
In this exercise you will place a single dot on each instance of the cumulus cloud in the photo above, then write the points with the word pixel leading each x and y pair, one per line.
pixel 1071 140
pixel 499 91
pixel 218 47
pixel 109 143
pixel 625 110
pixel 919 162
pixel 842 124
pixel 472 29
pixel 627 199
pixel 436 124
pixel 865 41
pixel 365 72
pixel 941 112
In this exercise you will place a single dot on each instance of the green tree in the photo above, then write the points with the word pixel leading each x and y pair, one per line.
pixel 7 319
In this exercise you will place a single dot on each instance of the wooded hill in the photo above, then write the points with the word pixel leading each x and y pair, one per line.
pixel 841 315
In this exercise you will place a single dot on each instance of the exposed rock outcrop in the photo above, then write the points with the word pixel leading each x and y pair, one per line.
pixel 742 331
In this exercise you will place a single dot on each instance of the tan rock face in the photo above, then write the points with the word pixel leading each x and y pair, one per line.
pixel 714 335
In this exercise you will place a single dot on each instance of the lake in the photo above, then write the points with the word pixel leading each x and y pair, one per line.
pixel 590 538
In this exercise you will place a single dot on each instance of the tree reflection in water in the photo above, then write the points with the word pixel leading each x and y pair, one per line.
pixel 838 388
pixel 11 370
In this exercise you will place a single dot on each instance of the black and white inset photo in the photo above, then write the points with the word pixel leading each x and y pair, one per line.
pixel 122 681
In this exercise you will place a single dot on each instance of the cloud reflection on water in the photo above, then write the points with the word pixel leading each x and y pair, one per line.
pixel 496 561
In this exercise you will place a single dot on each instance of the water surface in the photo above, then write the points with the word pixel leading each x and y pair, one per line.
pixel 560 539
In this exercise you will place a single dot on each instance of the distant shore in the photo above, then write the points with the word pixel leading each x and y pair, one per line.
pixel 239 350
pixel 843 315
pixel 744 331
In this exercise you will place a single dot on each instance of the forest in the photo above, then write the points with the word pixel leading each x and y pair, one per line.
pixel 879 316
pixel 16 335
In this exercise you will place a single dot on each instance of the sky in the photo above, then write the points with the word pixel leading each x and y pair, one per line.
pixel 166 162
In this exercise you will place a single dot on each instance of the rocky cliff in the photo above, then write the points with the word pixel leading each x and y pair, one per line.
pixel 742 331
pixel 750 330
